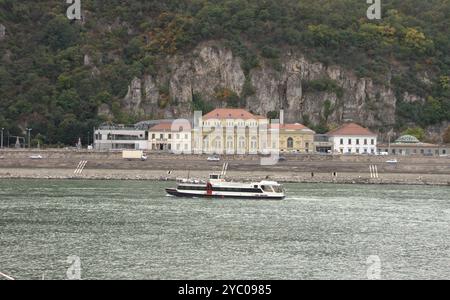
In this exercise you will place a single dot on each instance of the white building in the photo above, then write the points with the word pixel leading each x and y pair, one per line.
pixel 352 138
pixel 120 138
pixel 171 137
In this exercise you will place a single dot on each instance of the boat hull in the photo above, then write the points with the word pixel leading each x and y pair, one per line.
pixel 174 192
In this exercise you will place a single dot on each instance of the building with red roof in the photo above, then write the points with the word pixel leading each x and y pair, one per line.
pixel 230 131
pixel 173 136
pixel 232 113
pixel 352 138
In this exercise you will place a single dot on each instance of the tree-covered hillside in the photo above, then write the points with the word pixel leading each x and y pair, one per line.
pixel 55 73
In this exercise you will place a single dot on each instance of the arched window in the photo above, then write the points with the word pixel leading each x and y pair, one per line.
pixel 254 143
pixel 242 142
pixel 206 144
pixel 218 143
pixel 230 143
pixel 290 143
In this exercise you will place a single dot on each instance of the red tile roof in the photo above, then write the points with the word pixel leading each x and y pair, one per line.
pixel 167 126
pixel 231 113
pixel 296 126
pixel 351 129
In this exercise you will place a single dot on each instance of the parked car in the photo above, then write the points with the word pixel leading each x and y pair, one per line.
pixel 36 157
pixel 392 161
pixel 213 158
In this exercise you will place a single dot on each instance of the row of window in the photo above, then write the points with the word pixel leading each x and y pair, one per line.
pixel 169 146
pixel 358 141
pixel 119 137
pixel 221 189
pixel 416 151
pixel 231 123
pixel 290 143
pixel 169 136
pixel 186 147
pixel 358 151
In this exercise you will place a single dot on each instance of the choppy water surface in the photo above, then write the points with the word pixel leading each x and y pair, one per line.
pixel 132 230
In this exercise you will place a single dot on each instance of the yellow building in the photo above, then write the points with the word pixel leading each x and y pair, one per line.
pixel 295 138
pixel 237 131
pixel 230 131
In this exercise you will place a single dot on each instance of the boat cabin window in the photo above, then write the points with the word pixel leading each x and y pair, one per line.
pixel 272 189
pixel 278 189
pixel 267 188
pixel 214 176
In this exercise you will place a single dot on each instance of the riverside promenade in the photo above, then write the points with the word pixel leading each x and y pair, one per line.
pixel 62 164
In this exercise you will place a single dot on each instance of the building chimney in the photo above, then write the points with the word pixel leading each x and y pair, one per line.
pixel 282 117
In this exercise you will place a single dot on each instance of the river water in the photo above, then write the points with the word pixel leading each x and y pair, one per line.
pixel 132 230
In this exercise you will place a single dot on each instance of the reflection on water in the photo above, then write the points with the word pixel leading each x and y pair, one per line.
pixel 132 230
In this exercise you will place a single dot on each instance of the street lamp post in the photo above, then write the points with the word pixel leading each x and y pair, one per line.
pixel 1 147
pixel 389 145
pixel 29 137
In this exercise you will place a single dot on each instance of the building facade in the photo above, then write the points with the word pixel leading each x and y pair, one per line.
pixel 409 145
pixel 295 138
pixel 120 137
pixel 322 144
pixel 231 131
pixel 171 137
pixel 352 138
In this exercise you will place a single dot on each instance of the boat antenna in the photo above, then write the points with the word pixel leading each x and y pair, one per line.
pixel 224 169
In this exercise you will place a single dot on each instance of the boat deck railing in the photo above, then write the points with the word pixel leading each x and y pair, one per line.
pixel 6 276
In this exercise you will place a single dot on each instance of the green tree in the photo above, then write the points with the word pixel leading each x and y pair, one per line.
pixel 417 132
pixel 328 109
pixel 198 104
pixel 417 40
pixel 60 34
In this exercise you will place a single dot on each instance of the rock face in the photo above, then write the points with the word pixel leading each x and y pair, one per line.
pixel 211 67
pixel 2 32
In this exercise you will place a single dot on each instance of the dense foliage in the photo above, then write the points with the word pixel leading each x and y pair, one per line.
pixel 417 132
pixel 46 84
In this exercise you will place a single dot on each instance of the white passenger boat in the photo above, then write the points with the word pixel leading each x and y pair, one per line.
pixel 217 187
